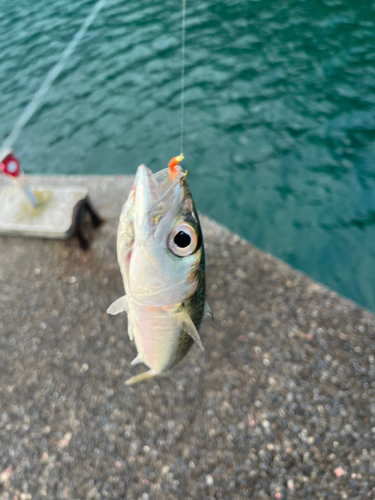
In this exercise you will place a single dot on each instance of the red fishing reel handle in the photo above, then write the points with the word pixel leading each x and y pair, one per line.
pixel 10 165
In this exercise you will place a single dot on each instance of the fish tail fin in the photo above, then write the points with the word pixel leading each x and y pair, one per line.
pixel 141 377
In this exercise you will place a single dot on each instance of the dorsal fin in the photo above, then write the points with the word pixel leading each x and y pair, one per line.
pixel 190 328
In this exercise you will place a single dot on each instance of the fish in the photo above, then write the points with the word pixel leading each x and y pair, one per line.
pixel 161 256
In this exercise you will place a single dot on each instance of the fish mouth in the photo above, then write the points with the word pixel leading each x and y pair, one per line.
pixel 155 197
pixel 170 192
pixel 146 190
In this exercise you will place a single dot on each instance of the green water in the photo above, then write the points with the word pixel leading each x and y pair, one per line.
pixel 280 114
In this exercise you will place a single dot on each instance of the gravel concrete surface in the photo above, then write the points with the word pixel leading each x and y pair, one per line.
pixel 280 404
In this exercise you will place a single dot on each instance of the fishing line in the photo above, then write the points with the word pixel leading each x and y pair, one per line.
pixel 50 78
pixel 183 73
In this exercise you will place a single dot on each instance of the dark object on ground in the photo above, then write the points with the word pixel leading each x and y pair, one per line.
pixel 84 218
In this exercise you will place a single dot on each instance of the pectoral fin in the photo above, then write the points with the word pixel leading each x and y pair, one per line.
pixel 141 377
pixel 189 327
pixel 207 310
pixel 120 305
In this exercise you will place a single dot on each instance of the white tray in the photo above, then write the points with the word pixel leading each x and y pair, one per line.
pixel 52 219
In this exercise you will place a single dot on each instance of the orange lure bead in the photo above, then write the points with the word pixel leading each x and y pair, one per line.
pixel 172 166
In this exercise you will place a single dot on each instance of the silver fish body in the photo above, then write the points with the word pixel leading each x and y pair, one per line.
pixel 161 257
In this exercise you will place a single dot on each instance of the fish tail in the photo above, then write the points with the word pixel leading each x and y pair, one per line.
pixel 141 377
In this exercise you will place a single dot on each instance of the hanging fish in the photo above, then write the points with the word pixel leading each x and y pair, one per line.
pixel 161 256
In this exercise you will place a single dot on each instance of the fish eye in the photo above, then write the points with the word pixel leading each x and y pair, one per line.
pixel 183 240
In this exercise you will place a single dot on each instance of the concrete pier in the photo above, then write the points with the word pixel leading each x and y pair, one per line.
pixel 280 404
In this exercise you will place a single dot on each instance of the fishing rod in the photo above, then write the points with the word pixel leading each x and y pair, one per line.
pixel 39 96
pixel 9 164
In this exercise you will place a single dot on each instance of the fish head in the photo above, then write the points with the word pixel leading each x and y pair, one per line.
pixel 166 251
